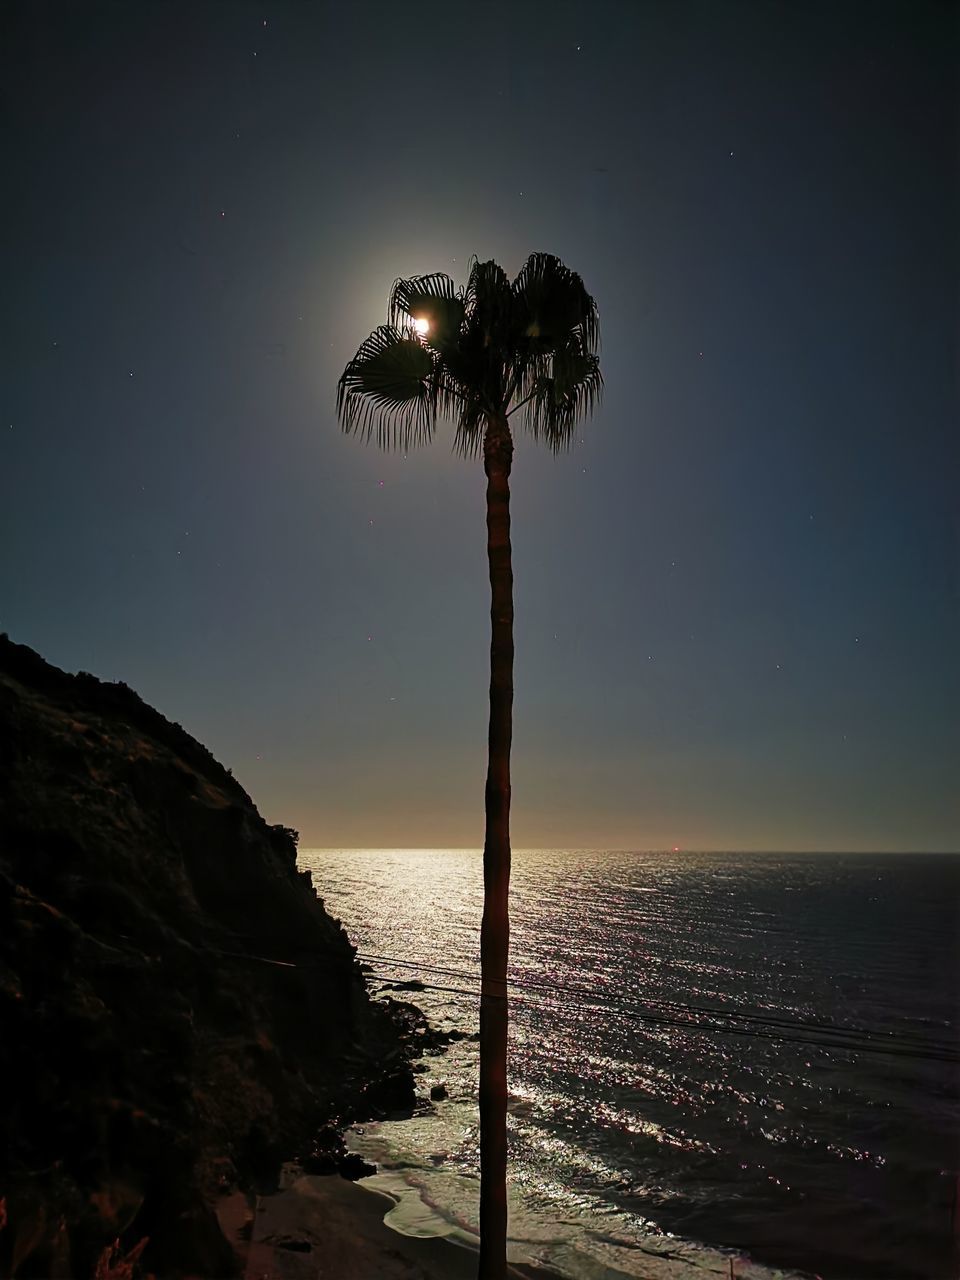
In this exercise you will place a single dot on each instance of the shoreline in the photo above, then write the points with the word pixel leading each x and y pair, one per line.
pixel 317 1227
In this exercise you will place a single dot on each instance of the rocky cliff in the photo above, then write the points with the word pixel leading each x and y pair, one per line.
pixel 177 1010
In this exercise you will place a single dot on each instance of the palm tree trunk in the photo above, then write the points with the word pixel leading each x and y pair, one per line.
pixel 495 929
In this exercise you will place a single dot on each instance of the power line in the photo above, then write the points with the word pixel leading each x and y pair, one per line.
pixel 691 1026
pixel 711 1011
pixel 830 1036
pixel 708 1010
pixel 843 1038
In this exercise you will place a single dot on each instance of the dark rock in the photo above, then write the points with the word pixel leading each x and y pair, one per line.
pixel 438 1093
pixel 393 1092
pixel 326 1152
pixel 193 1234
pixel 320 1163
pixel 328 1138
pixel 353 1167
pixel 416 1035
pixel 177 1010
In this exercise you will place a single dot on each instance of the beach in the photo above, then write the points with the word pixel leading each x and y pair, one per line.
pixel 325 1228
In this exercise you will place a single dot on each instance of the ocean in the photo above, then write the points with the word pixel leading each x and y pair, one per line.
pixel 720 1064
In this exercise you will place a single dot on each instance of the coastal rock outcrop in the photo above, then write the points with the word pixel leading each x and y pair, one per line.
pixel 178 1012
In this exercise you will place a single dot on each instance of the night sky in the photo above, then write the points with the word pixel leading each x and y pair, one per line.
pixel 737 614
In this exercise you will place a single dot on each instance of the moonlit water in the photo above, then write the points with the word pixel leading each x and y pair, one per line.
pixel 654 1151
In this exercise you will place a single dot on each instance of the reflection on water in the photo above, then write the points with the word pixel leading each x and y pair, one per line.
pixel 634 1145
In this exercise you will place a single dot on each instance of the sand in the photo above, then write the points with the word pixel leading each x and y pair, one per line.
pixel 324 1228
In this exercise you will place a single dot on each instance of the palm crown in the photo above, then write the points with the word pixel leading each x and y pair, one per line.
pixel 477 355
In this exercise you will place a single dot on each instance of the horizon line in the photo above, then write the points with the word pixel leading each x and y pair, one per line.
pixel 474 848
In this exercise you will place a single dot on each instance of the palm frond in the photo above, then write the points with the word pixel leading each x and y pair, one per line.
pixel 552 303
pixel 562 390
pixel 484 352
pixel 404 294
pixel 471 421
pixel 489 302
pixel 434 298
pixel 392 389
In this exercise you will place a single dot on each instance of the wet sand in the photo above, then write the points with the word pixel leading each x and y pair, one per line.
pixel 324 1228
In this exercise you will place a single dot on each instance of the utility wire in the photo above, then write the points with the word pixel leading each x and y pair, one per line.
pixel 904 1049
pixel 708 1010
pixel 789 1023
pixel 829 1027
pixel 827 1035
pixel 688 1025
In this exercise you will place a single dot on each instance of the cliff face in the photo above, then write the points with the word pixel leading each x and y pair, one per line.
pixel 150 1054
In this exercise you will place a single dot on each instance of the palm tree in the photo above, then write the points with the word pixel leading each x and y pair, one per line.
pixel 477 356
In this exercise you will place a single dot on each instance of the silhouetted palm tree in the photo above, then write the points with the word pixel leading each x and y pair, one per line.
pixel 477 356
